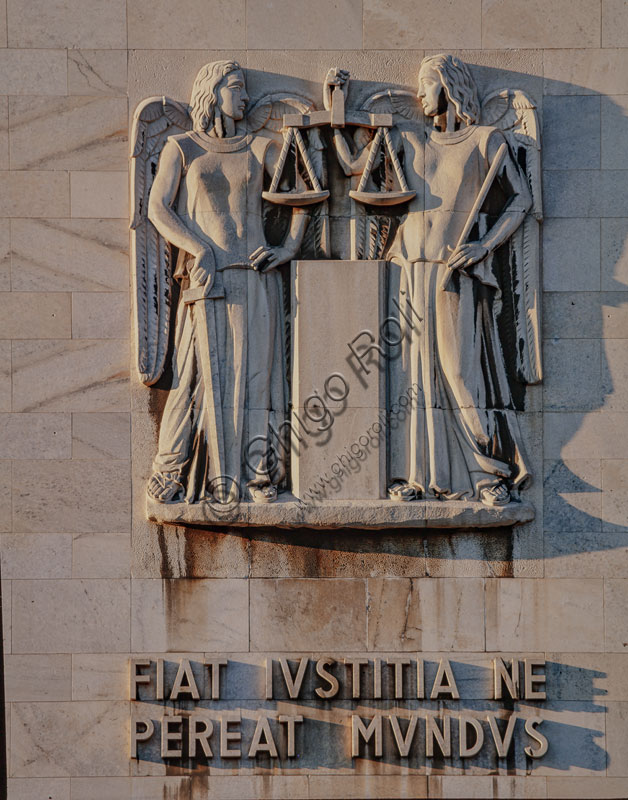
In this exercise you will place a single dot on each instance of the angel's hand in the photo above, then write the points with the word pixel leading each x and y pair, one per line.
pixel 335 77
pixel 203 268
pixel 266 258
pixel 467 255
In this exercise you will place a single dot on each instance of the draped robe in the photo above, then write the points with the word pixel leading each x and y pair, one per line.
pixel 220 200
pixel 461 434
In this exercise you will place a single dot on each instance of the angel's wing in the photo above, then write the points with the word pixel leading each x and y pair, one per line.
pixel 514 113
pixel 401 102
pixel 155 119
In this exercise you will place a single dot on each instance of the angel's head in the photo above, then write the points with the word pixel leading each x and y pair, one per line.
pixel 445 78
pixel 219 90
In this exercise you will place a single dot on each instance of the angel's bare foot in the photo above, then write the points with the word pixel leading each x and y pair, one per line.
pixel 263 494
pixel 402 492
pixel 165 487
pixel 497 495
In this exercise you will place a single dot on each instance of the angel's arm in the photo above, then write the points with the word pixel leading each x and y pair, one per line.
pixel 351 165
pixel 265 257
pixel 162 196
pixel 516 188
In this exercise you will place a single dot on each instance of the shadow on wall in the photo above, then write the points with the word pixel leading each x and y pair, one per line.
pixel 574 727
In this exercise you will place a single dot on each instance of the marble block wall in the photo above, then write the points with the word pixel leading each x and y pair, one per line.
pixel 87 583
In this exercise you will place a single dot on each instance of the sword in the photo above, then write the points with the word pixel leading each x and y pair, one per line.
pixel 201 300
pixel 477 205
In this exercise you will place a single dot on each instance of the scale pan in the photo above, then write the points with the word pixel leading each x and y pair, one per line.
pixel 295 198
pixel 382 198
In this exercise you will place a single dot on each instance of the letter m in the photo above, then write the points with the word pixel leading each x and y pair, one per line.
pixel 359 729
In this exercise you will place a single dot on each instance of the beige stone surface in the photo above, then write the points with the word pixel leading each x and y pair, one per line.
pixel 462 787
pixel 527 614
pixel 99 194
pixel 5 489
pixel 197 24
pixel 426 614
pixel 94 72
pixel 614 23
pixel 77 23
pixel 585 71
pixel 4 133
pixel 508 23
pixel 39 677
pixel 5 376
pixel 291 614
pixel 34 194
pixel 300 25
pixel 100 676
pixel 82 375
pixel 5 255
pixel 101 436
pixel 45 496
pixel 43 436
pixel 100 315
pixel 7 605
pixel 35 788
pixel 596 788
pixel 101 555
pixel 180 615
pixel 69 255
pixel 71 616
pixel 101 788
pixel 37 555
pixel 84 749
pixel 402 24
pixel 47 315
pixel 65 133
pixel 36 72
pixel 616 719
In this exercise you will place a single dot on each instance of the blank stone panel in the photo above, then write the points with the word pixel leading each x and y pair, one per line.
pixel 64 133
pixel 33 72
pixel 571 132
pixel 71 616
pixel 582 71
pixel 97 72
pixel 535 23
pixel 395 24
pixel 571 253
pixel 72 23
pixel 301 24
pixel 78 375
pixel 45 496
pixel 200 24
pixel 88 255
pixel 292 614
pixel 84 748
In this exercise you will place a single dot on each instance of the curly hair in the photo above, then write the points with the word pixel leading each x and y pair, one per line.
pixel 458 84
pixel 204 100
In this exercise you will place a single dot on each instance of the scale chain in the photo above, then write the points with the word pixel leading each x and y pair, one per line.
pixel 395 160
pixel 287 141
pixel 306 160
pixel 371 159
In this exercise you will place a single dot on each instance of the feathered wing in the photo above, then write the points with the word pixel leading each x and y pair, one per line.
pixel 155 119
pixel 514 113
pixel 266 117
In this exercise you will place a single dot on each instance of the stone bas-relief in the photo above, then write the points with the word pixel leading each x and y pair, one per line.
pixel 270 423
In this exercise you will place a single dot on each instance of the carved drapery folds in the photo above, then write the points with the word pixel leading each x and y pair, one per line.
pixel 233 227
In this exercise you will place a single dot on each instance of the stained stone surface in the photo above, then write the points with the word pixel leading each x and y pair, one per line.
pixel 89 582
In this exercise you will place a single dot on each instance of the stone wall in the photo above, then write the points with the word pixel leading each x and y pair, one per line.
pixel 87 583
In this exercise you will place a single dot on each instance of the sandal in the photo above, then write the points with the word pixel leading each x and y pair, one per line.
pixel 263 494
pixel 402 492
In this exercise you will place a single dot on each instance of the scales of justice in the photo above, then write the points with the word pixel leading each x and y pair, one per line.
pixel 303 428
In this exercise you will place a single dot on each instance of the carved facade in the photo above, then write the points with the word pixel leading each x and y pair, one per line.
pixel 231 216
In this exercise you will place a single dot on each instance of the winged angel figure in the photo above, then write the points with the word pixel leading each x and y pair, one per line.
pixel 463 281
pixel 197 179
